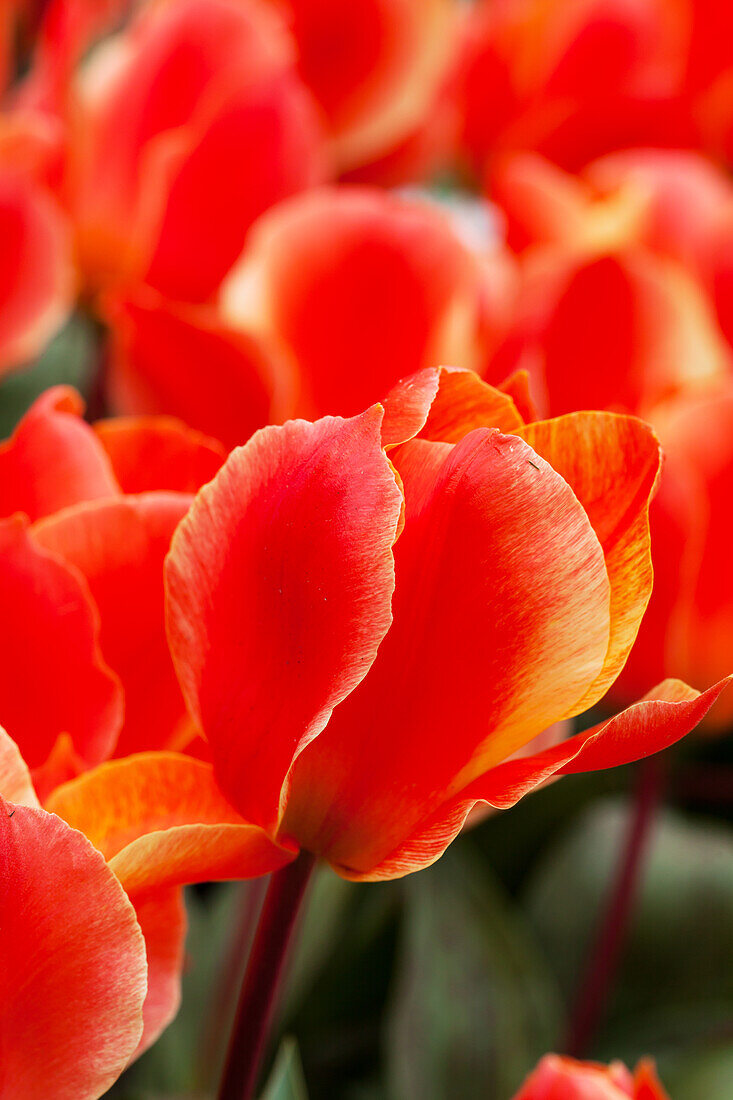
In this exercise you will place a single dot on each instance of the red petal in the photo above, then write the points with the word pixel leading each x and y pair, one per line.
pixel 279 588
pixel 647 1085
pixel 362 288
pixel 158 452
pixel 50 639
pixel 168 358
pixel 53 459
pixel 159 819
pixel 118 545
pixel 501 622
pixel 72 962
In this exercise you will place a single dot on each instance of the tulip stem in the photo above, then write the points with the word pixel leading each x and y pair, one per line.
pixel 606 948
pixel 262 978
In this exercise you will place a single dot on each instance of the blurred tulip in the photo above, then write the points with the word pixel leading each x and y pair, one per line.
pixel 185 127
pixel 372 638
pixel 91 513
pixel 559 1078
pixel 374 66
pixel 357 288
pixel 576 80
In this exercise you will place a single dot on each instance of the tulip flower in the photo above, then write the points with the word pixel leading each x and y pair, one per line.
pixel 373 637
pixel 72 955
pixel 357 287
pixel 89 516
pixel 557 1078
pixel 575 81
pixel 137 829
pixel 373 66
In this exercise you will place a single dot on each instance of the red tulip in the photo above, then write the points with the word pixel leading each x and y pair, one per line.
pixel 374 66
pixel 194 108
pixel 72 956
pixel 81 581
pixel 365 641
pixel 358 287
pixel 559 1078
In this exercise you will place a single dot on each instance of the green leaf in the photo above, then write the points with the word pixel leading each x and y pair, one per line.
pixel 674 986
pixel 474 1007
pixel 286 1080
pixel 69 359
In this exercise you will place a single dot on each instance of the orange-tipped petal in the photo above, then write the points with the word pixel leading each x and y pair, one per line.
pixel 360 288
pixel 182 360
pixel 161 915
pixel 444 404
pixel 16 784
pixel 119 545
pixel 612 464
pixel 160 819
pixel 279 588
pixel 52 675
pixel 560 1078
pixel 501 621
pixel 158 452
pixel 53 459
pixel 72 963
pixel 647 1085
pixel 36 279
pixel 668 713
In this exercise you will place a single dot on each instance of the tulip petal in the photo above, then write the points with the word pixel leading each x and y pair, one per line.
pixel 72 963
pixel 279 588
pixel 160 820
pixel 612 464
pixel 161 915
pixel 444 404
pixel 669 712
pixel 16 784
pixel 647 1085
pixel 50 633
pixel 119 545
pixel 501 620
pixel 53 459
pixel 158 452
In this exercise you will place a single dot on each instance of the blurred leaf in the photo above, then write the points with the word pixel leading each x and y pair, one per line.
pixel 286 1080
pixel 674 988
pixel 68 359
pixel 474 1007
pixel 705 1075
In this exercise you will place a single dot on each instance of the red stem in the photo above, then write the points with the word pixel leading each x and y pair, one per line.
pixel 262 978
pixel 605 952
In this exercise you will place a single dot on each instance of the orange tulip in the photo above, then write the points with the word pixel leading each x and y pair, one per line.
pixel 90 512
pixel 559 1078
pixel 372 638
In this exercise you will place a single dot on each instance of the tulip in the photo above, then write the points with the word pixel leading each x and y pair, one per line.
pixel 137 829
pixel 72 955
pixel 331 264
pixel 557 1078
pixel 334 613
pixel 89 516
